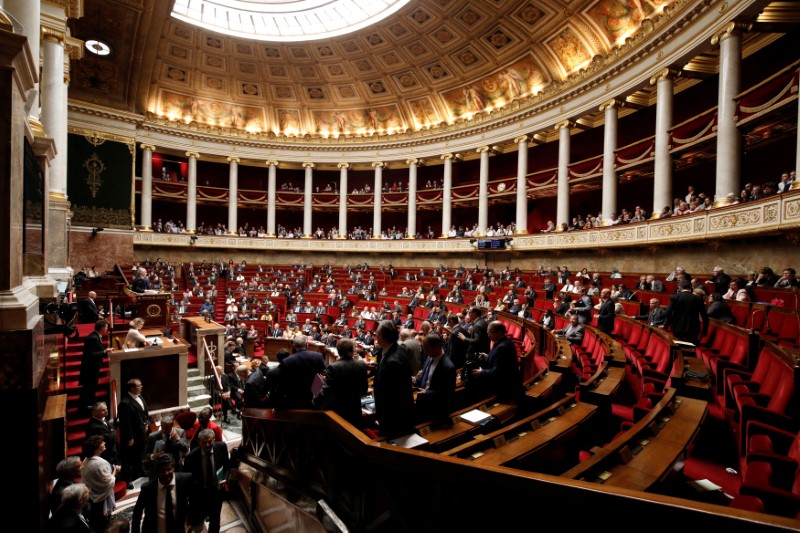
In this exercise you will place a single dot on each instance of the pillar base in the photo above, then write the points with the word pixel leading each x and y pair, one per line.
pixel 19 308
pixel 795 185
pixel 146 229
pixel 520 232
pixel 341 237
pixel 232 234
pixel 191 231
pixel 444 236
pixel 307 236
pixel 270 235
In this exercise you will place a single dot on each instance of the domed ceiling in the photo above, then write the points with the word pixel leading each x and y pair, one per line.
pixel 431 62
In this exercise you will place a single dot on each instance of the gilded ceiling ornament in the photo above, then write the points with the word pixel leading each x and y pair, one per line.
pixel 95 167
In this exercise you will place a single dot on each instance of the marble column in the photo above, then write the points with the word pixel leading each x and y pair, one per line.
pixel 28 13
pixel 233 195
pixel 522 185
pixel 662 180
pixel 728 141
pixel 54 97
pixel 796 183
pixel 483 191
pixel 147 188
pixel 54 120
pixel 191 193
pixel 611 111
pixel 412 198
pixel 271 187
pixel 562 205
pixel 343 200
pixel 307 199
pixel 376 212
pixel 447 193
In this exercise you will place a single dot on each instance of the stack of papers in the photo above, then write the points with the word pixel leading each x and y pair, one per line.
pixel 409 441
pixel 475 417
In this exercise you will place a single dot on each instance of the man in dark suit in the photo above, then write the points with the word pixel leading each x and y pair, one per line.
pixel 436 382
pixel 89 312
pixel 98 425
pixel 685 313
pixel 477 341
pixel 69 518
pixel 208 465
pixel 394 396
pixel 606 313
pixel 68 472
pixel 132 422
pixel 164 441
pixel 141 283
pixel 91 361
pixel 499 372
pixel 456 348
pixel 164 500
pixel 657 314
pixel 298 374
pixel 345 384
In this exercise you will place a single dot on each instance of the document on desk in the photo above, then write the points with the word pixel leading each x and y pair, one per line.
pixel 409 441
pixel 476 417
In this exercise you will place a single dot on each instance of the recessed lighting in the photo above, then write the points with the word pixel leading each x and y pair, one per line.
pixel 98 47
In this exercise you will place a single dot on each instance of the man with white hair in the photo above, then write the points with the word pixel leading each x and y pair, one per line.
pixel 141 283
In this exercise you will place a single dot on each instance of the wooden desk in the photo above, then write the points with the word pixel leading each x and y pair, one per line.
pixel 162 369
pixel 603 386
pixel 646 453
pixel 521 438
pixel 696 387
pixel 443 437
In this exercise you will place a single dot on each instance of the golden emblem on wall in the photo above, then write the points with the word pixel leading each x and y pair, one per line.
pixel 95 167
pixel 153 310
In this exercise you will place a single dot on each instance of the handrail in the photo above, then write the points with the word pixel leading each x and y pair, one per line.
pixel 213 363
pixel 113 400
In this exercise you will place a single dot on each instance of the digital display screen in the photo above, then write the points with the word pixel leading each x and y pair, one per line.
pixel 491 244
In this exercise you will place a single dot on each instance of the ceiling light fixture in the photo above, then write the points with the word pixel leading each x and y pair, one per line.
pixel 98 47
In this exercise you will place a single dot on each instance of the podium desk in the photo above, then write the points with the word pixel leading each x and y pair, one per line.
pixel 197 328
pixel 162 368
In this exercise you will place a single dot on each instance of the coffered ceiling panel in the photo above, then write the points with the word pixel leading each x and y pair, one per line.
pixel 432 61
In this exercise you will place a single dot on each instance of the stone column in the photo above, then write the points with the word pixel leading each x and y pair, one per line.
pixel 412 198
pixel 54 120
pixel 271 180
pixel 483 191
pixel 447 193
pixel 191 193
pixel 343 200
pixel 562 206
pixel 611 110
pixel 522 185
pixel 147 188
pixel 307 199
pixel 662 181
pixel 376 212
pixel 233 195
pixel 28 13
pixel 728 141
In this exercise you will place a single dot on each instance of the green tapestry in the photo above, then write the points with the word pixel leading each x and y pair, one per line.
pixel 99 181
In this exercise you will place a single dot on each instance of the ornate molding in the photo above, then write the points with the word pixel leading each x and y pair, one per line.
pixel 309 164
pixel 343 165
pixel 233 159
pixel 378 164
pixel 664 74
pixel 521 139
pixel 191 155
pixel 145 146
pixel 271 163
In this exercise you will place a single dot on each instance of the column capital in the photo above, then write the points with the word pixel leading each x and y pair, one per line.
pixel 192 155
pixel 664 74
pixel 413 161
pixel 564 124
pixel 613 103
pixel 343 165
pixel 378 164
pixel 308 164
pixel 729 29
pixel 521 139
pixel 447 156
pixel 145 146
pixel 53 35
pixel 271 163
pixel 483 149
pixel 233 159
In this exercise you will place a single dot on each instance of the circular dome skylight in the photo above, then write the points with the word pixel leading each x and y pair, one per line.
pixel 285 20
